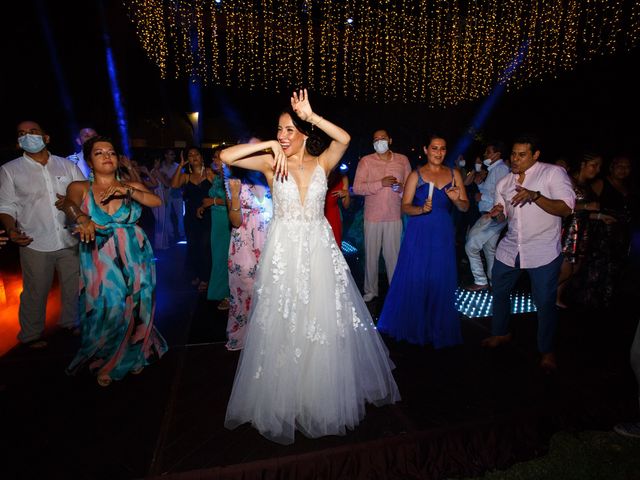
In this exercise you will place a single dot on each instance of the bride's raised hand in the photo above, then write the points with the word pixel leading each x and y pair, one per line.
pixel 300 104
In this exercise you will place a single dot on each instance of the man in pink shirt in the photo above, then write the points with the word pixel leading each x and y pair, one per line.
pixel 380 178
pixel 533 198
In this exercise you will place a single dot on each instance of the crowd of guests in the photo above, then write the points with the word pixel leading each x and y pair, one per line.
pixel 569 225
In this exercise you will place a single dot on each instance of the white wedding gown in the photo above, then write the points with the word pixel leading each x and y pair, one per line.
pixel 312 356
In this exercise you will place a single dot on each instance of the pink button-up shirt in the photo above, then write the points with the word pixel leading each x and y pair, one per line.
pixel 381 204
pixel 533 233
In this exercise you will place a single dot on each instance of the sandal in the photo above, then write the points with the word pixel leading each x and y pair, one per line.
pixel 104 380
pixel 137 371
pixel 224 304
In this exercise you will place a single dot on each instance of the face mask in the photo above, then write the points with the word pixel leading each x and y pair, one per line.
pixel 31 143
pixel 461 163
pixel 478 167
pixel 381 146
pixel 487 161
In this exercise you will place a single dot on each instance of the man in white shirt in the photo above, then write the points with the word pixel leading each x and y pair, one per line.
pixel 534 199
pixel 78 158
pixel 29 186
pixel 484 234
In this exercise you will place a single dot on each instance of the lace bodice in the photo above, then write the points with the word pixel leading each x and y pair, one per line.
pixel 286 198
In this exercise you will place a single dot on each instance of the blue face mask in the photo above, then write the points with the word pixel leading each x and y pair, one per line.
pixel 31 143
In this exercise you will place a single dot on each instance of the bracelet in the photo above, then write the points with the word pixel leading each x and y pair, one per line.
pixel 319 120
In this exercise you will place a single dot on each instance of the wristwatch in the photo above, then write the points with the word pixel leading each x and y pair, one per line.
pixel 537 196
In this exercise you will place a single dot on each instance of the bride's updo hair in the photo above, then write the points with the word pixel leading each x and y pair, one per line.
pixel 317 140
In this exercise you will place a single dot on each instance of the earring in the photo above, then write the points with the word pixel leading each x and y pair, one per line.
pixel 91 175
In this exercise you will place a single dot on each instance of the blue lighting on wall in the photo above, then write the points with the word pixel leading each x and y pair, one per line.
pixel 115 89
pixel 486 107
pixel 65 97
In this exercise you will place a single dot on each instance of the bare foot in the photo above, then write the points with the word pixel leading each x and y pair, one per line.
pixel 496 340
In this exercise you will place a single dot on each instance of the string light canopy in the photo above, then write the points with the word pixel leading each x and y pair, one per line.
pixel 438 52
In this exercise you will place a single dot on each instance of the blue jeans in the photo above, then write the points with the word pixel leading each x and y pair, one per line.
pixel 544 286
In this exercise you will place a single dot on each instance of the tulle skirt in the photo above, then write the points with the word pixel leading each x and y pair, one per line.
pixel 312 357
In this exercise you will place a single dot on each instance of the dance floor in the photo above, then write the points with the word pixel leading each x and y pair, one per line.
pixel 464 410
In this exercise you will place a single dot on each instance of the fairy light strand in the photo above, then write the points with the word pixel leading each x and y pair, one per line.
pixel 439 52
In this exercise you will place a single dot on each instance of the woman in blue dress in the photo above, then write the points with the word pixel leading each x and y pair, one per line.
pixel 420 304
pixel 117 269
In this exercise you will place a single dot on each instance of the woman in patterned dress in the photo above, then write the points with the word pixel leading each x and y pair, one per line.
pixel 250 210
pixel 117 270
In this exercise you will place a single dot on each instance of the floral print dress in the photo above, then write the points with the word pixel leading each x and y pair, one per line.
pixel 245 248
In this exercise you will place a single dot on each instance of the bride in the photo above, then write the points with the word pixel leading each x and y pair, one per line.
pixel 312 355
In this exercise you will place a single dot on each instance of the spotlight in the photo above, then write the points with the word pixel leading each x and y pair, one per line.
pixel 350 21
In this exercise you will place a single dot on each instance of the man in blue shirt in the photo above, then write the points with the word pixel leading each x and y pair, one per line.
pixel 484 234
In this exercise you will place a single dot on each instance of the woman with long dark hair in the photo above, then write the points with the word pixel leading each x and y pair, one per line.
pixel 312 357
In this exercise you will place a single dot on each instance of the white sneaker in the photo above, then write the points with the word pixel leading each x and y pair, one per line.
pixel 368 297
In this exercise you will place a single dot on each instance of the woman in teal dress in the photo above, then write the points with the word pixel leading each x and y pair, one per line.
pixel 216 202
pixel 117 270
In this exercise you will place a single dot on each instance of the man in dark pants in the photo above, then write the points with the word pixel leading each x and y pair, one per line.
pixel 533 198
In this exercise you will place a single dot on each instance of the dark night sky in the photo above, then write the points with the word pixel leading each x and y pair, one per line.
pixel 585 108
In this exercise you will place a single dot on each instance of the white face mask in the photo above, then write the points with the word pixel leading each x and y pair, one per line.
pixel 478 167
pixel 381 146
pixel 31 143
pixel 487 161
pixel 462 163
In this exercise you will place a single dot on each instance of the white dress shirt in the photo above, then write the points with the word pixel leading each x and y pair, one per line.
pixel 533 233
pixel 28 194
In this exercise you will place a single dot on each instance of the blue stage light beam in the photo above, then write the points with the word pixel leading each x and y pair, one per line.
pixel 195 89
pixel 65 97
pixel 116 94
pixel 195 101
pixel 488 104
